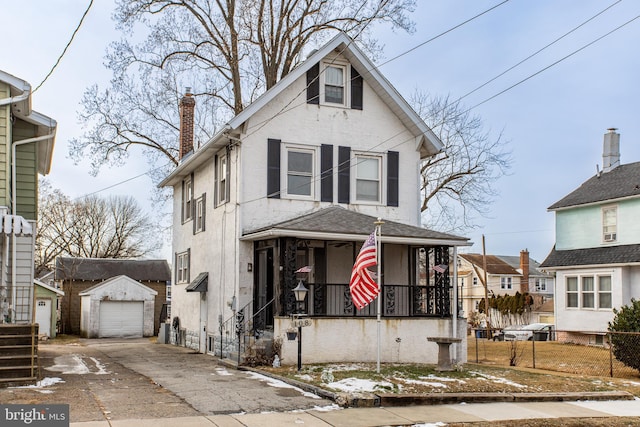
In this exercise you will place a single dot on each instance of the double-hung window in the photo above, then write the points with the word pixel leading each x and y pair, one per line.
pixel 200 206
pixel 368 182
pixel 572 292
pixel 506 283
pixel 300 169
pixel 334 78
pixel 604 292
pixel 182 267
pixel 588 295
pixel 541 284
pixel 609 224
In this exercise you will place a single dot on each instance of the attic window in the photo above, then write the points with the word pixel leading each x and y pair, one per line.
pixel 334 85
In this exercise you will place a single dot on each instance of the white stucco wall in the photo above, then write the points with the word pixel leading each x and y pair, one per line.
pixel 403 340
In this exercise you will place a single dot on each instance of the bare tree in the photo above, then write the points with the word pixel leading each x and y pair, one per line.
pixel 229 51
pixel 458 183
pixel 91 227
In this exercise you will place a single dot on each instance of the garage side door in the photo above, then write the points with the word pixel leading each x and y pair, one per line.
pixel 121 319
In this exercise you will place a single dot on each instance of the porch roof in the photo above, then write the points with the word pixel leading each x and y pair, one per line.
pixel 338 223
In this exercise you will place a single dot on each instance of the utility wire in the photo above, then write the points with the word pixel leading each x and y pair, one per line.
pixel 66 47
pixel 538 51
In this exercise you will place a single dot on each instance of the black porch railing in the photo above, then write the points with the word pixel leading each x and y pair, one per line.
pixel 334 300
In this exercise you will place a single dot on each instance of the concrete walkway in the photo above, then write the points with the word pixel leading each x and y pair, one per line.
pixel 395 416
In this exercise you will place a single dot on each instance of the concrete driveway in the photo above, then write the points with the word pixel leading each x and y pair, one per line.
pixel 137 378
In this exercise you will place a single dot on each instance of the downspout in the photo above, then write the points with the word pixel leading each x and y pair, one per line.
pixel 14 247
pixel 454 321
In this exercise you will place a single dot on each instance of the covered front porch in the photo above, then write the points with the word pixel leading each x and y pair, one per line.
pixel 417 298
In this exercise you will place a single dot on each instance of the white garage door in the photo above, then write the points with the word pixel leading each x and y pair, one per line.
pixel 121 319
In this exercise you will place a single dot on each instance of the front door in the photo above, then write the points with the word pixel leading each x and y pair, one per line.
pixel 263 295
pixel 43 316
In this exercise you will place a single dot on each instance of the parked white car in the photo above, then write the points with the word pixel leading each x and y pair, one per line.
pixel 537 331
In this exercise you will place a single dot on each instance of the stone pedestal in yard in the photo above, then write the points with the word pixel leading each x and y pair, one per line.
pixel 444 355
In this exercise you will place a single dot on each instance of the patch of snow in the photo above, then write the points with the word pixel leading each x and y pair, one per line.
pixel 305 377
pixel 332 407
pixel 45 382
pixel 280 384
pixel 443 379
pixel 69 364
pixel 418 382
pixel 100 366
pixel 498 380
pixel 223 372
pixel 357 384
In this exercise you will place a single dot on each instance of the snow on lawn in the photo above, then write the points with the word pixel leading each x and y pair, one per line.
pixel 280 384
pixel 357 384
pixel 497 380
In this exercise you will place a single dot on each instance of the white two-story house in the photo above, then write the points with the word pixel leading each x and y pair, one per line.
pixel 298 180
pixel 596 257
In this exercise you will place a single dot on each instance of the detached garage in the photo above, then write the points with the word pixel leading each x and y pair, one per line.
pixel 119 307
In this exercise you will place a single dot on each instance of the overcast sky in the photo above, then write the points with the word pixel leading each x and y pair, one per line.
pixel 555 120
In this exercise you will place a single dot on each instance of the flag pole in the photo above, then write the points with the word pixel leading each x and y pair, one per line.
pixel 378 225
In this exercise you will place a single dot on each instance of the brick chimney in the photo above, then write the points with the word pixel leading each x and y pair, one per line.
pixel 187 107
pixel 611 150
pixel 524 266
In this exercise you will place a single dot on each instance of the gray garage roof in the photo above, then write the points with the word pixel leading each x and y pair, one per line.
pixel 105 268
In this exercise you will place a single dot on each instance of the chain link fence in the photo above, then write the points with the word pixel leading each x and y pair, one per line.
pixel 584 353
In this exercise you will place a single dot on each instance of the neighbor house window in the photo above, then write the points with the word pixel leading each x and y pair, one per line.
pixel 506 283
pixel 541 284
pixel 475 281
pixel 187 199
pixel 609 223
pixel 604 292
pixel 300 172
pixel 368 179
pixel 334 78
pixel 182 267
pixel 588 295
pixel 572 292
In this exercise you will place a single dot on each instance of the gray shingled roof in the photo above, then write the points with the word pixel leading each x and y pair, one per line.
pixel 514 261
pixel 623 254
pixel 106 268
pixel 623 181
pixel 336 219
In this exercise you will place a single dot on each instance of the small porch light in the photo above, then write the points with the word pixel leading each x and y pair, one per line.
pixel 300 292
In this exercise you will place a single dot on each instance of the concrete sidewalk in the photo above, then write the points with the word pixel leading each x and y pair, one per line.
pixel 395 416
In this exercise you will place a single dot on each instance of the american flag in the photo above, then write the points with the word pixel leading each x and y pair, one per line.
pixel 305 269
pixel 362 286
pixel 441 268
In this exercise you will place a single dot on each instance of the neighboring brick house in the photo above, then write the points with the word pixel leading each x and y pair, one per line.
pixel 298 179
pixel 596 257
pixel 76 275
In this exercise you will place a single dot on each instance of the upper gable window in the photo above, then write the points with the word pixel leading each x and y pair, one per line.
pixel 609 224
pixel 334 78
pixel 300 172
pixel 368 182
pixel 222 178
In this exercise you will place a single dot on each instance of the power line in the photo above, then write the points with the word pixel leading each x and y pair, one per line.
pixel 66 47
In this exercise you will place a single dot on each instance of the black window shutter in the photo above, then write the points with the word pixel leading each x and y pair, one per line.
pixel 204 210
pixel 193 198
pixel 326 173
pixel 273 168
pixel 183 204
pixel 356 89
pixel 392 178
pixel 313 85
pixel 188 265
pixel 175 267
pixel 344 174
pixel 215 181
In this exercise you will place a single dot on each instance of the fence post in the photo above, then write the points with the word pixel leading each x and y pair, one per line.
pixel 610 355
pixel 477 361
pixel 533 349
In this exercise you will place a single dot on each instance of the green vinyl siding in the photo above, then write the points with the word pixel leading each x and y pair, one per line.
pixel 5 138
pixel 26 181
